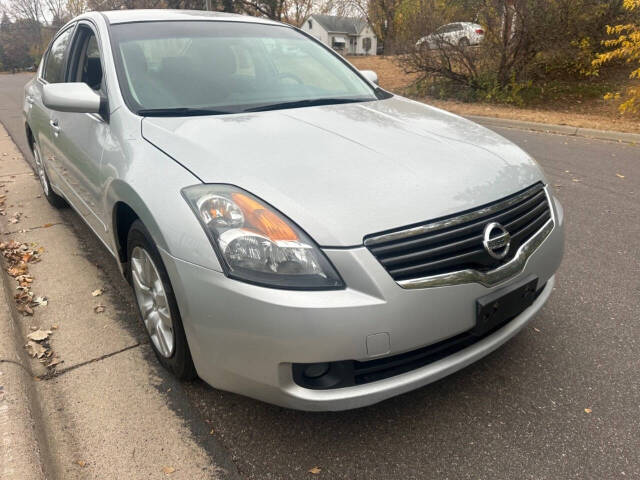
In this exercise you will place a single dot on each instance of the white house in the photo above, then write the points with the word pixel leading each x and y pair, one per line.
pixel 347 35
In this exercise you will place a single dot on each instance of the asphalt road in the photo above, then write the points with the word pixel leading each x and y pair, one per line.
pixel 517 414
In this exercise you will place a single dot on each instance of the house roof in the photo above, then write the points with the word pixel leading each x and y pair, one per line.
pixel 348 25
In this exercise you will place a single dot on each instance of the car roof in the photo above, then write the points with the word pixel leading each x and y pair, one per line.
pixel 151 15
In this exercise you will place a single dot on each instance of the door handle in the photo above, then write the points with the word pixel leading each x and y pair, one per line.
pixel 55 127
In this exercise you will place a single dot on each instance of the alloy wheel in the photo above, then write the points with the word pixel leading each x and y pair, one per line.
pixel 40 171
pixel 152 301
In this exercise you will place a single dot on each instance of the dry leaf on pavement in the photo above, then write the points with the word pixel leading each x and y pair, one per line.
pixel 99 308
pixel 619 176
pixel 315 470
pixel 55 361
pixel 587 410
pixel 25 309
pixel 39 335
pixel 40 302
pixel 82 463
pixel 168 470
pixel 34 349
pixel 97 292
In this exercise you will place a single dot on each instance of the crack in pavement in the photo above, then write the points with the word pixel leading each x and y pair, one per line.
pixel 56 373
pixel 29 229
pixel 23 367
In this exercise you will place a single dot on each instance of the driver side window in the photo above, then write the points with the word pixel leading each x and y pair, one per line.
pixel 86 64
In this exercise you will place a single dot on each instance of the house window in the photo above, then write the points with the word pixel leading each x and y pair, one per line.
pixel 310 22
pixel 366 44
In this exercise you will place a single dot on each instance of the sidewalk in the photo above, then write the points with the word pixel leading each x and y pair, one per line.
pixel 108 410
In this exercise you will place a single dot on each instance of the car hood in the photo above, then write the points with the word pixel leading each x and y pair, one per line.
pixel 344 171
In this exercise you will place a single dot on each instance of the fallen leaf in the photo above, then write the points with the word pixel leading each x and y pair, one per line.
pixel 17 270
pixel 211 432
pixel 535 329
pixel 619 176
pixel 25 310
pixel 47 225
pixel 39 335
pixel 168 470
pixel 315 470
pixel 587 410
pixel 82 463
pixel 97 292
pixel 54 362
pixel 99 308
pixel 54 326
pixel 40 302
pixel 575 180
pixel 34 349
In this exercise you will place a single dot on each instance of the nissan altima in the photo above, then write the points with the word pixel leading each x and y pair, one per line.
pixel 291 231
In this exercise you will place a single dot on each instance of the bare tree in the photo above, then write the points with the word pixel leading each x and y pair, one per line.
pixel 56 11
pixel 381 15
pixel 76 7
pixel 26 10
pixel 297 11
pixel 273 9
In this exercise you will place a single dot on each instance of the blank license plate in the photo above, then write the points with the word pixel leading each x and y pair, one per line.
pixel 501 306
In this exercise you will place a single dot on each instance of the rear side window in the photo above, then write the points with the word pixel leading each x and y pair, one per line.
pixel 54 68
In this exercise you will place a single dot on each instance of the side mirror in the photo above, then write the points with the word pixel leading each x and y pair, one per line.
pixel 72 97
pixel 370 75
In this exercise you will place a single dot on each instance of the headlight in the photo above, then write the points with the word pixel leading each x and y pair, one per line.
pixel 257 244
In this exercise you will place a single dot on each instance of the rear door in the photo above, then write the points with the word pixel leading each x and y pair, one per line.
pixel 52 70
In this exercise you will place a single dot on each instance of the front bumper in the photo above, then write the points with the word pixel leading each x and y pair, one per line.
pixel 244 338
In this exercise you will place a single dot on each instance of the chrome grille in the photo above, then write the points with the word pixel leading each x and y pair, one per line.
pixel 454 243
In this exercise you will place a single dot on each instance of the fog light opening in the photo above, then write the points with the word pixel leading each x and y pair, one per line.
pixel 316 370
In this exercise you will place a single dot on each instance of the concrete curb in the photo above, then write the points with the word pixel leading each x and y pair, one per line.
pixel 633 138
pixel 24 453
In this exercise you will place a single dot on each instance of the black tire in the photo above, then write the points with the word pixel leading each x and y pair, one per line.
pixel 180 362
pixel 40 168
pixel 464 42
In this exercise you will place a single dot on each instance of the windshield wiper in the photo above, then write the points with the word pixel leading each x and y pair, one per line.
pixel 180 112
pixel 305 103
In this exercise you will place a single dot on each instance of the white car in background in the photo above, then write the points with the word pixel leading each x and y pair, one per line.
pixel 462 34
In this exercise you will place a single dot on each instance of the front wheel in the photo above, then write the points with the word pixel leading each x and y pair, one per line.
pixel 464 42
pixel 157 304
pixel 52 197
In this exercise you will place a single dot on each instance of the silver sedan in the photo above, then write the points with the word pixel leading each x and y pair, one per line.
pixel 291 231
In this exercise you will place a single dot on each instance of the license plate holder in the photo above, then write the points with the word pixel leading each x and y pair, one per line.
pixel 502 305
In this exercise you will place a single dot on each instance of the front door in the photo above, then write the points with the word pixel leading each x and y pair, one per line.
pixel 82 136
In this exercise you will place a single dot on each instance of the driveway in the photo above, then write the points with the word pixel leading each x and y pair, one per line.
pixel 561 400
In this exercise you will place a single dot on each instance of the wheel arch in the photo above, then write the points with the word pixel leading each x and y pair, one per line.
pixel 29 134
pixel 127 207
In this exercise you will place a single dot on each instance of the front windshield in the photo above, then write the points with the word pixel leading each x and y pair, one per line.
pixel 228 67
